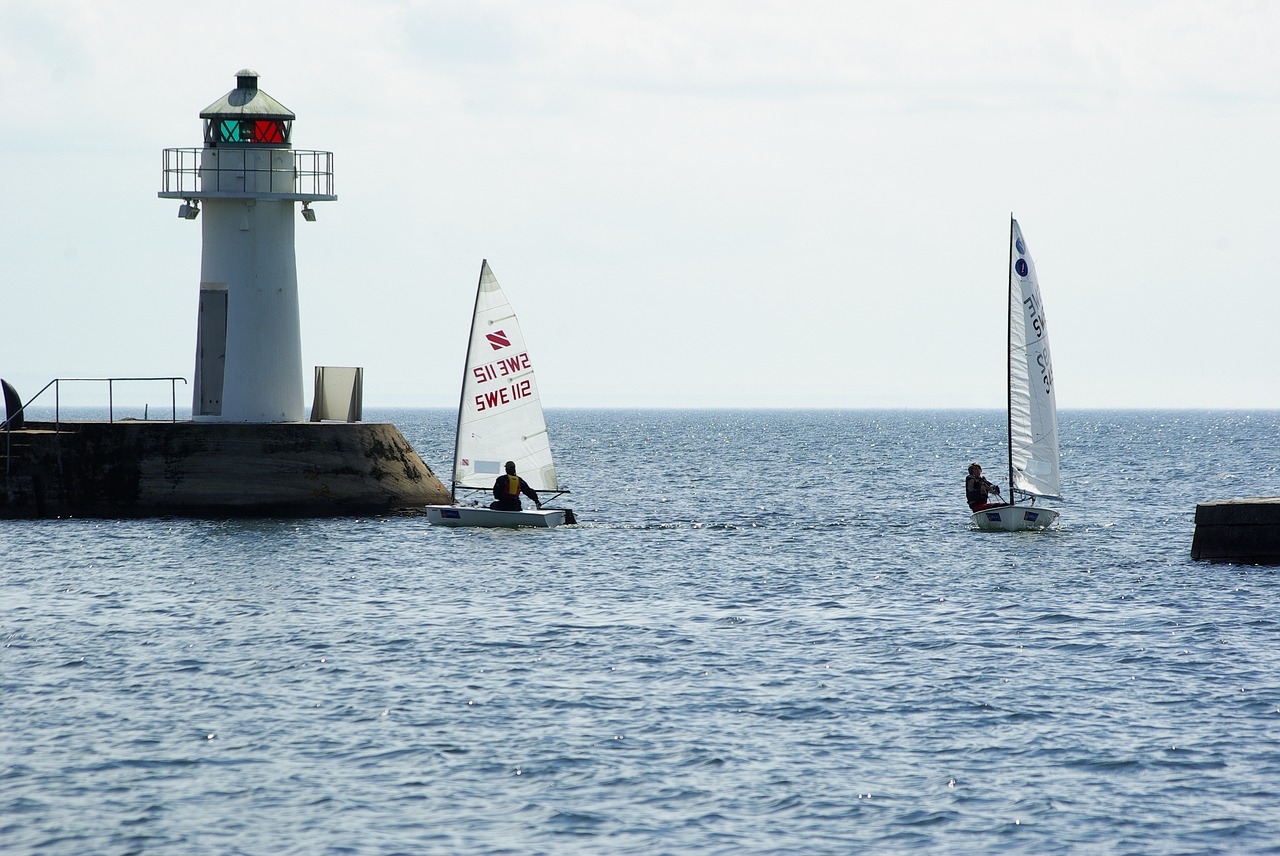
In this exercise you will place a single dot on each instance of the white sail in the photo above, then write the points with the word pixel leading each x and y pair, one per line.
pixel 500 415
pixel 1033 411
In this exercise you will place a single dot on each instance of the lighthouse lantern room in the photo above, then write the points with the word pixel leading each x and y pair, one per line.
pixel 246 181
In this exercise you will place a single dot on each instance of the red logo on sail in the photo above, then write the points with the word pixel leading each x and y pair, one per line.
pixel 498 340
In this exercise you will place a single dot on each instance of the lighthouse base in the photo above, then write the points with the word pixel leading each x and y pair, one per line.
pixel 152 469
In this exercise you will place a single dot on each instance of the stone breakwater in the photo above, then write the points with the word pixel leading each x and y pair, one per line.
pixel 145 469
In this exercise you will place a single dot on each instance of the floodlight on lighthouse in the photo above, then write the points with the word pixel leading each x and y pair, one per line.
pixel 307 213
pixel 189 210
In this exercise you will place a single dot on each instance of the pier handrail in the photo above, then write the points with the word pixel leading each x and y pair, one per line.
pixel 57 382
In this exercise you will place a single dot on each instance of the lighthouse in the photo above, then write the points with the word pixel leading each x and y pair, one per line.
pixel 246 450
pixel 244 186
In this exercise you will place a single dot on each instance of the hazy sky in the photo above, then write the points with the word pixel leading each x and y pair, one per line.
pixel 689 203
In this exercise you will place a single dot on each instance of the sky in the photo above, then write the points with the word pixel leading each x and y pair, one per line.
pixel 696 203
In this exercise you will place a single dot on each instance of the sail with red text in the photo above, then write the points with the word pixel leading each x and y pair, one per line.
pixel 500 414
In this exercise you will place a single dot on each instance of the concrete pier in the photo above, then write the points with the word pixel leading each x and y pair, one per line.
pixel 148 469
pixel 1246 531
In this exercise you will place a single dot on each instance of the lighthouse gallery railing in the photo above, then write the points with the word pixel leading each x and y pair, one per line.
pixel 188 173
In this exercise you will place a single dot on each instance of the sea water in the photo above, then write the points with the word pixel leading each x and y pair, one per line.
pixel 772 632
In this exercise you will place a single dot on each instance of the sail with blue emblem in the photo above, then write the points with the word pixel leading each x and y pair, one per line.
pixel 1033 409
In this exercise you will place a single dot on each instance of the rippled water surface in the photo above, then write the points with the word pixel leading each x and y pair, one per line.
pixel 773 632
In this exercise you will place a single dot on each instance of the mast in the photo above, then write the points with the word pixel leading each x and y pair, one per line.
pixel 1008 406
pixel 462 387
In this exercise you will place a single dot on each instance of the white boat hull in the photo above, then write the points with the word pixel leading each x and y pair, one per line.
pixel 469 515
pixel 1014 518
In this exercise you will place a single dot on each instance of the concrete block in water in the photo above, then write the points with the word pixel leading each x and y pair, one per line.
pixel 1246 531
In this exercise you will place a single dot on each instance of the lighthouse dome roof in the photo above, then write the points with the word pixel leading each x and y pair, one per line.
pixel 247 101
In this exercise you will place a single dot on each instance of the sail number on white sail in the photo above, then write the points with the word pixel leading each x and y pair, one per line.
pixel 500 415
pixel 507 367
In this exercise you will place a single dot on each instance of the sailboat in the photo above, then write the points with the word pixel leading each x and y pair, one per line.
pixel 500 419
pixel 1033 410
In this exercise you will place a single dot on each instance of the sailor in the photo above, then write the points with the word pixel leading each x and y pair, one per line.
pixel 976 489
pixel 507 490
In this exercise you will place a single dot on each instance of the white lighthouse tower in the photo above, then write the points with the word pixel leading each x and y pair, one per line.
pixel 247 450
pixel 246 181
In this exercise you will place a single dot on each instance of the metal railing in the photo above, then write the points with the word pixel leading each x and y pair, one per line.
pixel 57 382
pixel 188 173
